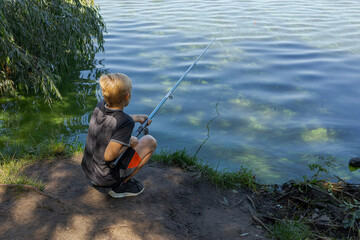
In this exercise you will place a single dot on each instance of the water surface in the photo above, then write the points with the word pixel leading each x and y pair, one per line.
pixel 281 82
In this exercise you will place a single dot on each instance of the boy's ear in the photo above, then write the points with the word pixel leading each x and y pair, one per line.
pixel 127 96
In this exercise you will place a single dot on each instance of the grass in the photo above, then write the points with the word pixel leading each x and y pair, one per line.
pixel 15 158
pixel 290 230
pixel 225 179
pixel 47 149
pixel 11 173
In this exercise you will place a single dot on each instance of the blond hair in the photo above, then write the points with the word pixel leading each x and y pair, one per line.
pixel 115 87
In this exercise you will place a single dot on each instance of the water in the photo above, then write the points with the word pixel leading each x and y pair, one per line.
pixel 278 88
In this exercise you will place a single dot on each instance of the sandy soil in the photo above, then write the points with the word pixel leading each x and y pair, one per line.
pixel 174 205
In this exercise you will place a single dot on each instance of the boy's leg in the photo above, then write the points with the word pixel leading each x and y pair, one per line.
pixel 145 148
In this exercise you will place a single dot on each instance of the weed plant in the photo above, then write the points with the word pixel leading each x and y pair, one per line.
pixel 41 39
pixel 330 209
pixel 225 179
pixel 290 230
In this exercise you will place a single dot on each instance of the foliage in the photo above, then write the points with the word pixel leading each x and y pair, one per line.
pixel 41 39
pixel 329 209
pixel 323 167
pixel 290 230
pixel 353 216
pixel 223 179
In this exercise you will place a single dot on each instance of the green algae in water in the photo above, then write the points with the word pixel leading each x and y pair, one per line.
pixel 29 121
pixel 352 169
pixel 318 135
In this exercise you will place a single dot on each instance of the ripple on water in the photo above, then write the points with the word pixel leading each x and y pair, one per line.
pixel 283 75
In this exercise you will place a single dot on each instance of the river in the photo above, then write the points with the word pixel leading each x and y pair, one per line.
pixel 278 88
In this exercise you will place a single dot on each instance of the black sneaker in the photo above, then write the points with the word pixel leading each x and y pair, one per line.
pixel 128 189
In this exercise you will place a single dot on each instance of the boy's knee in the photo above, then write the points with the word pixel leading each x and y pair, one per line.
pixel 150 142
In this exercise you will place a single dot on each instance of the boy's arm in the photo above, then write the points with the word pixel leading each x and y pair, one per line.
pixel 114 149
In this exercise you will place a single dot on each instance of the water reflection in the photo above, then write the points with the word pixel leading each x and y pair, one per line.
pixel 287 73
pixel 28 121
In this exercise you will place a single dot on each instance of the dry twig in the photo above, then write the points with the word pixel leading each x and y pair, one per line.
pixel 251 201
pixel 256 219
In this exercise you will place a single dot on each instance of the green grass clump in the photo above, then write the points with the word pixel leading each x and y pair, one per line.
pixel 10 173
pixel 224 179
pixel 41 39
pixel 290 230
pixel 14 158
pixel 57 148
pixel 47 149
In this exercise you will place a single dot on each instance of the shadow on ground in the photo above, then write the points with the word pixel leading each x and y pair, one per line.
pixel 174 205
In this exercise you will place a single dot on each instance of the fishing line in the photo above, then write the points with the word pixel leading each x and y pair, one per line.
pixel 142 127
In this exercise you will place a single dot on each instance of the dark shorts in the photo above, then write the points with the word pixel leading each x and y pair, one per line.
pixel 127 164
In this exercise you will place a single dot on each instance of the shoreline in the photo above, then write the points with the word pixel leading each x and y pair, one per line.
pixel 312 206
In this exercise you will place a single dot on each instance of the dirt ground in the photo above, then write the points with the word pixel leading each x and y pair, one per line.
pixel 174 205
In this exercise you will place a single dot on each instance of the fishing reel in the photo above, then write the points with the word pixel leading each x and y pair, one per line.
pixel 146 131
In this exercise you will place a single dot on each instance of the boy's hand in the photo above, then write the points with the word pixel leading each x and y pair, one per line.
pixel 141 118
pixel 133 141
pixel 148 122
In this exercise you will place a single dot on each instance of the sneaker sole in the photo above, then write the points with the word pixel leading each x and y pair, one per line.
pixel 125 194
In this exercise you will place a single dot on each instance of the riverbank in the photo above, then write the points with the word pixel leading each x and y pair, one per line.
pixel 193 197
pixel 310 208
pixel 183 199
pixel 174 205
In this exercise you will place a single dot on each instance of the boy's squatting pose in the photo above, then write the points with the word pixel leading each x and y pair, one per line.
pixel 109 135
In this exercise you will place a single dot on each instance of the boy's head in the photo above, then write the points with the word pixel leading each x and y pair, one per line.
pixel 116 89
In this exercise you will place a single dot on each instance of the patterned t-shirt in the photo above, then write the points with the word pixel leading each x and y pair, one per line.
pixel 106 124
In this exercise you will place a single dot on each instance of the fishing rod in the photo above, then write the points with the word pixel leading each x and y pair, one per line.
pixel 142 127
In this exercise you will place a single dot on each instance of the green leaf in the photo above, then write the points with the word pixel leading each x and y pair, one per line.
pixel 44 38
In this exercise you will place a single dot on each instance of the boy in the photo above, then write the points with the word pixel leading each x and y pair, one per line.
pixel 109 135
